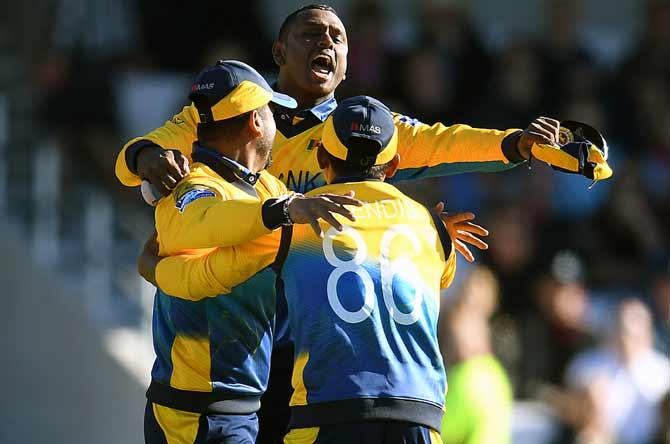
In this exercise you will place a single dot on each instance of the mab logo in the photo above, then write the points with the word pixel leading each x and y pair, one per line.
pixel 363 128
pixel 202 86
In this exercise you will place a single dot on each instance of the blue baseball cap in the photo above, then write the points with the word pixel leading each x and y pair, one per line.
pixel 356 119
pixel 231 88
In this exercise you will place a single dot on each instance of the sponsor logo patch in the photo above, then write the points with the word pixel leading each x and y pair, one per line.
pixel 190 196
pixel 363 128
pixel 202 87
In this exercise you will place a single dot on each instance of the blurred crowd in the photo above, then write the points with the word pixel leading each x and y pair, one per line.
pixel 571 303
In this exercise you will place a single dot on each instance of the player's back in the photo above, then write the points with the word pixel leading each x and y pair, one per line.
pixel 363 306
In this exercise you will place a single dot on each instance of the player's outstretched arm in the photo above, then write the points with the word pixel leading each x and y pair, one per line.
pixel 146 157
pixel 439 150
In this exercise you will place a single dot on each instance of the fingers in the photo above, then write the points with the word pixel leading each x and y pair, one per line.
pixel 182 163
pixel 550 125
pixel 464 236
pixel 159 185
pixel 317 228
pixel 455 218
pixel 544 130
pixel 473 228
pixel 540 134
pixel 328 217
pixel 438 208
pixel 171 168
pixel 346 199
pixel 463 250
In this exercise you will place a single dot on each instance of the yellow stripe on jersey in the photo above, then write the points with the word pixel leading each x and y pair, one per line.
pixel 435 437
pixel 299 391
pixel 191 364
pixel 302 436
pixel 178 426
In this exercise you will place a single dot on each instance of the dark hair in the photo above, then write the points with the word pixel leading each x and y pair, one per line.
pixel 347 168
pixel 222 129
pixel 288 21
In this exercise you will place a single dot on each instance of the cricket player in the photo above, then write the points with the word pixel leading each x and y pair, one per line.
pixel 311 52
pixel 213 355
pixel 362 302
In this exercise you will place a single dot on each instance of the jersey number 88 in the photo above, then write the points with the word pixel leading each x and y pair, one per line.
pixel 388 269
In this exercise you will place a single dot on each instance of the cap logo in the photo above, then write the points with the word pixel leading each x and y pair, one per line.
pixel 202 86
pixel 363 128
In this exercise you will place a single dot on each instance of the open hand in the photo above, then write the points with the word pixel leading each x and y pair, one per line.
pixel 462 231
pixel 303 209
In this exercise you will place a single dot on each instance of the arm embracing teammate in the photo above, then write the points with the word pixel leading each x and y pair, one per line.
pixel 311 52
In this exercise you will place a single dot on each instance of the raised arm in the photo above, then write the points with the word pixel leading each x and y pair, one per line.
pixel 439 150
pixel 147 156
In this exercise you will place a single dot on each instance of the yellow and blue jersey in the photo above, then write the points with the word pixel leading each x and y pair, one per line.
pixel 363 307
pixel 425 150
pixel 213 353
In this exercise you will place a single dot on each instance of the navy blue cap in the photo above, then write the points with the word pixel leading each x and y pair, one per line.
pixel 361 118
pixel 231 88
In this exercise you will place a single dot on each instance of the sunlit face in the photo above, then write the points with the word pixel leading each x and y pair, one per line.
pixel 314 51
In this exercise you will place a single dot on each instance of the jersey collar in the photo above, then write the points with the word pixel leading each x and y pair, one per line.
pixel 214 159
pixel 320 111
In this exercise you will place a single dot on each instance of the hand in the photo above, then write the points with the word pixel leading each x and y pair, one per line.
pixel 148 260
pixel 163 168
pixel 541 130
pixel 461 230
pixel 303 210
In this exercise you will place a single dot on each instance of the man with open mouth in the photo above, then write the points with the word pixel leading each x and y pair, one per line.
pixel 311 53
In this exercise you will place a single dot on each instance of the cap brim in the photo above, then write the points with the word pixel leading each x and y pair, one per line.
pixel 283 100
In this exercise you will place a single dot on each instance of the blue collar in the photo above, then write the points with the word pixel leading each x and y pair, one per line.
pixel 207 156
pixel 322 110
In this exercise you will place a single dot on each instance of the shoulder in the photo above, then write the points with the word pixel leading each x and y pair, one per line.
pixel 272 184
pixel 201 182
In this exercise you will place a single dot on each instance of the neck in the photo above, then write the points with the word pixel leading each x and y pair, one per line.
pixel 244 154
pixel 305 99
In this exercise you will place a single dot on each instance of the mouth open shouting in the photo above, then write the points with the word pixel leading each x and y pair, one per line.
pixel 322 67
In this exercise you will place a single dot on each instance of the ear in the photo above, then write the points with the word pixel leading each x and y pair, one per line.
pixel 393 166
pixel 278 53
pixel 322 157
pixel 255 123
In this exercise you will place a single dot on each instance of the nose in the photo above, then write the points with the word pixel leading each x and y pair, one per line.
pixel 325 41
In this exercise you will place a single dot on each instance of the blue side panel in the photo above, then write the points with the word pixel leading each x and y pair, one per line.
pixel 376 357
pixel 446 169
pixel 241 326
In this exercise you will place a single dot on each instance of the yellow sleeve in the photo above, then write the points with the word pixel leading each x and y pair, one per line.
pixel 438 150
pixel 197 277
pixel 198 215
pixel 177 133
